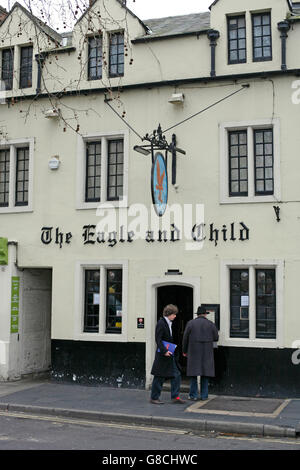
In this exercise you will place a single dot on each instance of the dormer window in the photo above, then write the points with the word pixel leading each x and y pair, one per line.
pixel 7 68
pixel 26 67
pixel 262 37
pixel 116 54
pixel 236 39
pixel 95 58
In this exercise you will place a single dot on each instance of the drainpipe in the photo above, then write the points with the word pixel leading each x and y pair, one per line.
pixel 213 35
pixel 284 27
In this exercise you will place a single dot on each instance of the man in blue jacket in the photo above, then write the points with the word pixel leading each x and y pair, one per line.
pixel 165 364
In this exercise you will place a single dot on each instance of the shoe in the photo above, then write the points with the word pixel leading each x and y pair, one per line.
pixel 192 398
pixel 178 400
pixel 204 399
pixel 157 402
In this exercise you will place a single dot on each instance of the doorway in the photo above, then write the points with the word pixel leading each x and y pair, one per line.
pixel 35 328
pixel 182 296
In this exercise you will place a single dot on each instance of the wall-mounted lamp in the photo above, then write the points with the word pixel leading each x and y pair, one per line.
pixel 142 150
pixel 177 98
pixel 52 113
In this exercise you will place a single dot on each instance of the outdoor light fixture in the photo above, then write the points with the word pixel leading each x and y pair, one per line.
pixel 176 98
pixel 142 150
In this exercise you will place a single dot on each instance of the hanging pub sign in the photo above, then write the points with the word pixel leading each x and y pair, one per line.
pixel 159 184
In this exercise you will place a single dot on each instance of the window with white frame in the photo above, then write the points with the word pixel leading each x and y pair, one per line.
pixel 101 300
pixel 102 169
pixel 252 308
pixel 249 162
pixel 16 163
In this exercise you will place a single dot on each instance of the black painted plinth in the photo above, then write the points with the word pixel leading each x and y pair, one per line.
pixel 111 364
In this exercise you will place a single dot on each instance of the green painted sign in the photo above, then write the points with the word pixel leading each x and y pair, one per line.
pixel 15 300
pixel 3 251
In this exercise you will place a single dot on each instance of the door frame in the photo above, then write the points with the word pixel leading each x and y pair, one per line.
pixel 151 312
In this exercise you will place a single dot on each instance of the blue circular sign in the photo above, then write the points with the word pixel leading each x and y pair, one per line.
pixel 159 184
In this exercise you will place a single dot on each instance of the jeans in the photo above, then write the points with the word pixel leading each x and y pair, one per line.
pixel 203 387
pixel 158 382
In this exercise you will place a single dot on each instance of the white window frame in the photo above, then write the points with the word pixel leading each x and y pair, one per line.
pixel 81 169
pixel 81 266
pixel 13 145
pixel 225 128
pixel 252 341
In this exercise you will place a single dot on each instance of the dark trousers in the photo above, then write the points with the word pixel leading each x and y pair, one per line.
pixel 158 382
pixel 203 387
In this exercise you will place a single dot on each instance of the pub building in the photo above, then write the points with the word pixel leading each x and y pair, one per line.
pixel 148 162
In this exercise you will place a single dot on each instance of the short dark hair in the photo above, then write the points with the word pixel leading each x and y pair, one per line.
pixel 170 310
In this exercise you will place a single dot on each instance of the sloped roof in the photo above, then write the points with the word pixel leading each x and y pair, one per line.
pixel 42 26
pixel 176 25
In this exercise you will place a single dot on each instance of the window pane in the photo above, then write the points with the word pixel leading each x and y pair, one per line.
pixel 22 177
pixel 264 161
pixel 95 58
pixel 116 55
pixel 114 301
pixel 239 303
pixel 115 171
pixel 92 300
pixel 4 177
pixel 26 67
pixel 93 172
pixel 238 164
pixel 265 303
pixel 262 36
pixel 7 68
pixel 236 39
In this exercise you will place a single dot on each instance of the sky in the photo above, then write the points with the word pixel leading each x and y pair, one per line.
pixel 146 9
pixel 58 13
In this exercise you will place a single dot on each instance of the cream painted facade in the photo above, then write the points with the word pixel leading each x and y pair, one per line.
pixel 160 67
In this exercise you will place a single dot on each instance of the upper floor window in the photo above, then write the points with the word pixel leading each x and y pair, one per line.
pixel 95 58
pixel 102 169
pixel 22 176
pixel 264 161
pixel 7 70
pixel 26 67
pixel 16 176
pixel 262 37
pixel 236 39
pixel 116 54
pixel 4 177
pixel 250 159
pixel 113 152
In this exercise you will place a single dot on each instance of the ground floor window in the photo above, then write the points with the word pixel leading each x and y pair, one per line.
pixel 103 299
pixel 251 312
pixel 262 294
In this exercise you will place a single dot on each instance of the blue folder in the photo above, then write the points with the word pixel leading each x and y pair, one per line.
pixel 169 346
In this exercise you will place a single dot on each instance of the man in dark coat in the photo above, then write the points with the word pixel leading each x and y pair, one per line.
pixel 197 346
pixel 165 364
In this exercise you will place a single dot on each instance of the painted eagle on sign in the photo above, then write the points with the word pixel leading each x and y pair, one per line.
pixel 159 184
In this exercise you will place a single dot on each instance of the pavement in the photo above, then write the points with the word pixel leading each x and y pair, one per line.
pixel 251 416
